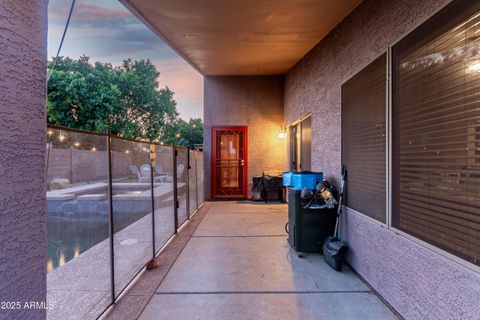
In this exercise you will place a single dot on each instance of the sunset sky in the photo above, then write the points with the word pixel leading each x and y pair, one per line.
pixel 106 31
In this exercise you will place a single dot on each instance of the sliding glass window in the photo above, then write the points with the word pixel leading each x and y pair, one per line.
pixel 364 139
pixel 436 131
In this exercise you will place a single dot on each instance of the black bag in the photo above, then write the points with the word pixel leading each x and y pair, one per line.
pixel 334 252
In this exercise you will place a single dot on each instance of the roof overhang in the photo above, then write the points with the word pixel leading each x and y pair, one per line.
pixel 241 37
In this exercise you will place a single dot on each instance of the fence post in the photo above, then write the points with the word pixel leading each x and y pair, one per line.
pixel 188 182
pixel 152 158
pixel 175 183
pixel 196 156
pixel 110 215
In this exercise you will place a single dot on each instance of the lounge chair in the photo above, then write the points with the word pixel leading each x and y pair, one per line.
pixel 143 175
pixel 180 169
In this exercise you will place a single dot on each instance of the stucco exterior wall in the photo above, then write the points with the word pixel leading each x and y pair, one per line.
pixel 256 102
pixel 418 282
pixel 314 83
pixel 23 38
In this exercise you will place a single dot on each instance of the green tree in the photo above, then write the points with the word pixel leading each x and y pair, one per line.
pixel 147 107
pixel 83 96
pixel 125 99
pixel 184 133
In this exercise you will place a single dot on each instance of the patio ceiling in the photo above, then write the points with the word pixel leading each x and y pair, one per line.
pixel 241 37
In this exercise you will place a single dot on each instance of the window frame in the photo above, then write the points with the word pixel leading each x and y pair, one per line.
pixel 294 128
pixel 388 141
pixel 444 253
pixel 389 156
pixel 387 222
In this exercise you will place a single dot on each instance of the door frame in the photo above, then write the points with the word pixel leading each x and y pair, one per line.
pixel 213 171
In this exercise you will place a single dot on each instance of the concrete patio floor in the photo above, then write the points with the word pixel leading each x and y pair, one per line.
pixel 234 262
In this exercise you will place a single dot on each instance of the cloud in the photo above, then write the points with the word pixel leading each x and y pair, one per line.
pixel 92 16
pixel 102 30
pixel 106 31
pixel 187 84
pixel 138 36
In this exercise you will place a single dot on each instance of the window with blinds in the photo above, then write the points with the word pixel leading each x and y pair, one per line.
pixel 364 139
pixel 436 131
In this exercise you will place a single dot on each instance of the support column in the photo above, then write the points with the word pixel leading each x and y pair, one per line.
pixel 23 234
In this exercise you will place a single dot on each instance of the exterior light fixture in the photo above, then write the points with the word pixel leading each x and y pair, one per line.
pixel 50 132
pixel 61 138
pixel 282 133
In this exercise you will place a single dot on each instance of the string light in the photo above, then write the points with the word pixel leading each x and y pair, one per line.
pixel 94 149
pixel 178 135
pixel 127 151
pixel 77 144
pixel 50 132
pixel 61 138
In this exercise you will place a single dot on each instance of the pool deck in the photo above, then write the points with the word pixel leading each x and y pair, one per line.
pixel 232 261
pixel 91 200
pixel 80 288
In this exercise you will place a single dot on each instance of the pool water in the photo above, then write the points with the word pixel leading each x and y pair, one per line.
pixel 118 191
pixel 68 237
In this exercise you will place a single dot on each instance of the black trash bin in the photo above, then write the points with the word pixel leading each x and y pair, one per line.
pixel 307 228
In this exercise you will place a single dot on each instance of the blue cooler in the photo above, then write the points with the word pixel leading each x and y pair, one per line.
pixel 309 180
pixel 287 178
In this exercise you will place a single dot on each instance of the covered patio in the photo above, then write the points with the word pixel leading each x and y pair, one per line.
pixel 232 261
pixel 391 89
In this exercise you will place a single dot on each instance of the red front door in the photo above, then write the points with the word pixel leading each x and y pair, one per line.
pixel 229 162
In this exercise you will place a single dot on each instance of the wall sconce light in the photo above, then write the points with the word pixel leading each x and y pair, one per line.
pixel 283 132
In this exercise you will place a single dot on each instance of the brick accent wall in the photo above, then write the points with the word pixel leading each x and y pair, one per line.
pixel 23 236
pixel 253 101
